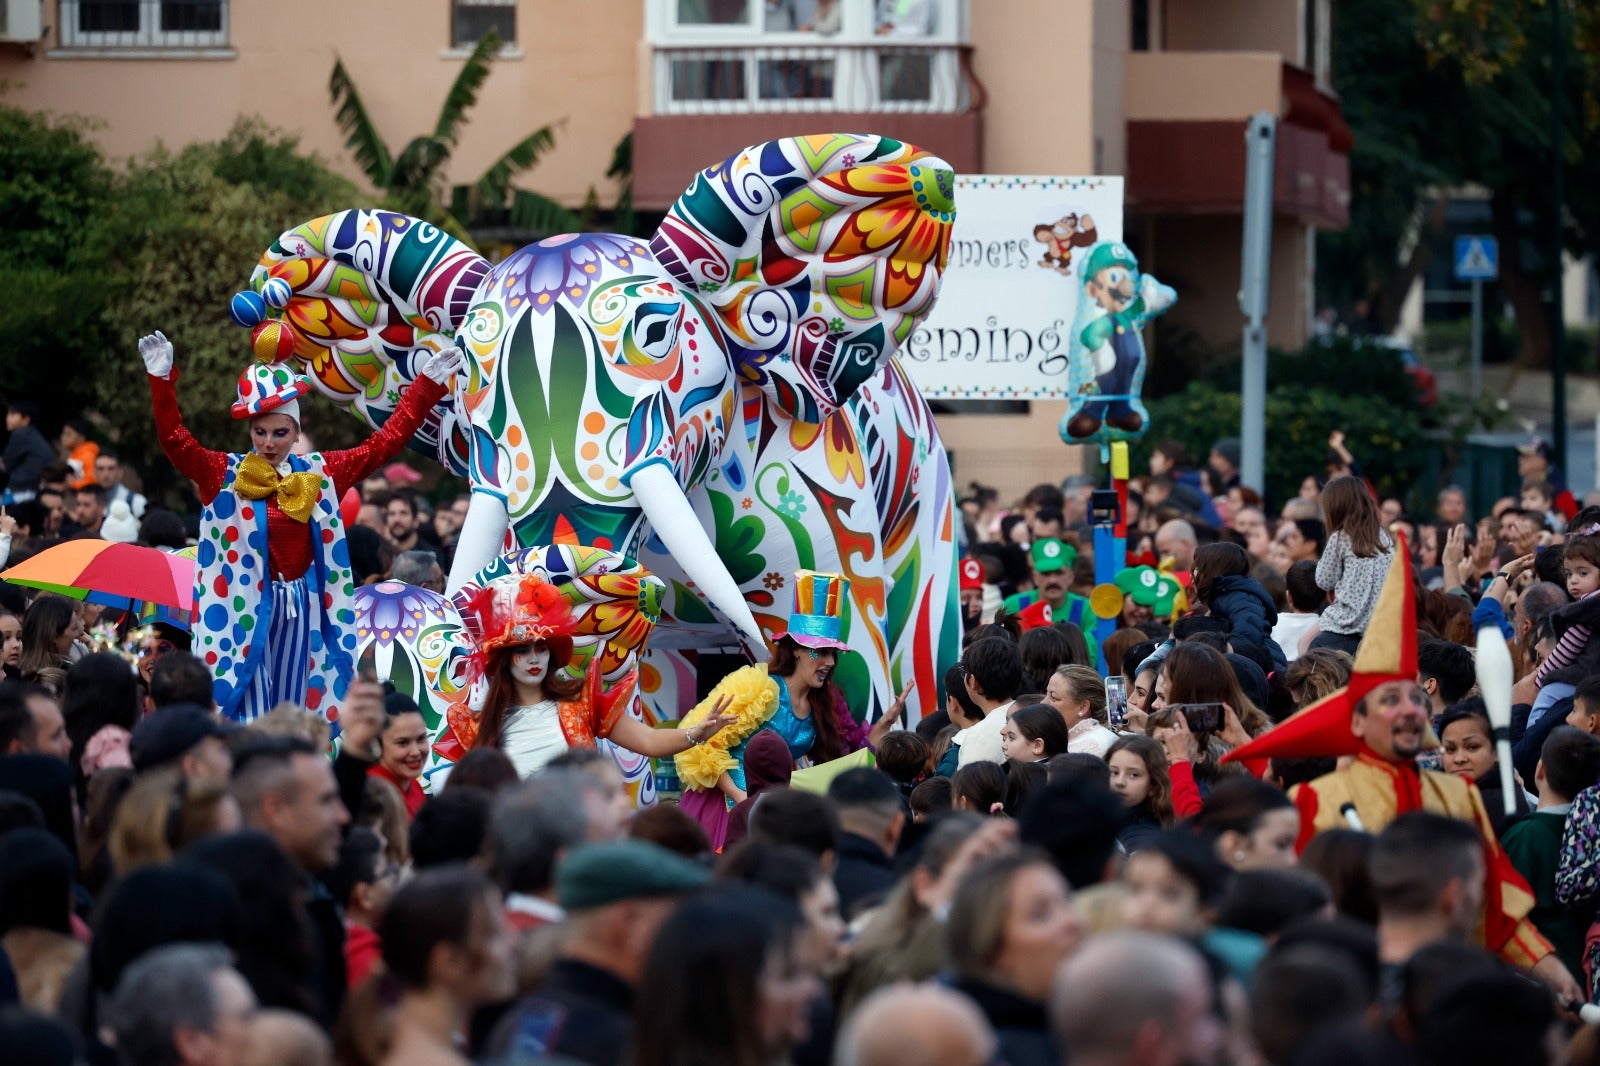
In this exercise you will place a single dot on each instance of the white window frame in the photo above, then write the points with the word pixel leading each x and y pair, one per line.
pixel 856 51
pixel 149 34
pixel 950 27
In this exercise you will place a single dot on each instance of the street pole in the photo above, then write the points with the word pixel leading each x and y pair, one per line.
pixel 1558 326
pixel 1477 341
pixel 1261 139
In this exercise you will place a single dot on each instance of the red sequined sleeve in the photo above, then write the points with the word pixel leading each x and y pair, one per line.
pixel 354 465
pixel 199 464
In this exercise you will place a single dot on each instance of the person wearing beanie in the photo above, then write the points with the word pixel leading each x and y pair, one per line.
pixel 616 895
pixel 119 525
pixel 273 586
pixel 1224 461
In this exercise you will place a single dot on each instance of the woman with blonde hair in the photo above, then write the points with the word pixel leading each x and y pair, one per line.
pixel 163 813
pixel 1011 926
pixel 1079 694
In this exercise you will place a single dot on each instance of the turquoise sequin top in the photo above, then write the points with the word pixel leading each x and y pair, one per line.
pixel 799 734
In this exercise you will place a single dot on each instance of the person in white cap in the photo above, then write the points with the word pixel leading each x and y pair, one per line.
pixel 273 587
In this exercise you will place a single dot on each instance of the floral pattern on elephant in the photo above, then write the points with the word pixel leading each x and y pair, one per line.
pixel 719 401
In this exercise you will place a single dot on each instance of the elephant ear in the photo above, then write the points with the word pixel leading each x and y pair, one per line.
pixel 817 257
pixel 366 297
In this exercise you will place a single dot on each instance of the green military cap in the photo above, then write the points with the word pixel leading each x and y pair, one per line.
pixel 596 875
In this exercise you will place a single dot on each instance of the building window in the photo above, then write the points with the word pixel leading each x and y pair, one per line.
pixel 471 21
pixel 144 23
pixel 1140 10
pixel 701 13
pixel 729 56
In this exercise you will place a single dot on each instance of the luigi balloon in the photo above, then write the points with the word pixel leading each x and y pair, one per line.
pixel 1106 363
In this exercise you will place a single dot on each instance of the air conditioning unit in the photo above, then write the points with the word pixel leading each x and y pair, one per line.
pixel 21 20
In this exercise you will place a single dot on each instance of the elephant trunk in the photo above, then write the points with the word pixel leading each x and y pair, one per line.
pixel 480 540
pixel 673 519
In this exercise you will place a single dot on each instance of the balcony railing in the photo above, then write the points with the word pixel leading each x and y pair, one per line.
pixel 876 76
pixel 144 23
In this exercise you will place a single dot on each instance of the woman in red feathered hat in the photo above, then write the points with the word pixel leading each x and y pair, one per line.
pixel 523 704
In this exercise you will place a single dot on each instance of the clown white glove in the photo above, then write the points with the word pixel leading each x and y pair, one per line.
pixel 156 351
pixel 1157 297
pixel 440 365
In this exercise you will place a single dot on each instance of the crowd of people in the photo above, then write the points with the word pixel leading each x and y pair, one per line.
pixel 1263 820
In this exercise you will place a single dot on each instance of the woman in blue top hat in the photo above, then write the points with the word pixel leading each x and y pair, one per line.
pixel 794 696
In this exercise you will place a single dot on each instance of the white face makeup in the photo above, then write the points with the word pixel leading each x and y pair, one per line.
pixel 530 664
pixel 273 435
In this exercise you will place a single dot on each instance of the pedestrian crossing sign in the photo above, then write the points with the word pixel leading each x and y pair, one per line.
pixel 1477 258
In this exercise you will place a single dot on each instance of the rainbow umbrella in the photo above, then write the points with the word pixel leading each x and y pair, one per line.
pixel 176 617
pixel 117 575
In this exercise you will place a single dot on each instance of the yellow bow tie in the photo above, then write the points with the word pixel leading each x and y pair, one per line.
pixel 297 493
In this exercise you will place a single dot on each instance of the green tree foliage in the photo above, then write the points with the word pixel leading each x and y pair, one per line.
pixel 1385 439
pixel 1445 94
pixel 413 181
pixel 96 258
pixel 52 181
pixel 183 241
pixel 1380 371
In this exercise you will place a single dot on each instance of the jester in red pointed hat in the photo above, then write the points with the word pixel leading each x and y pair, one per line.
pixel 1381 718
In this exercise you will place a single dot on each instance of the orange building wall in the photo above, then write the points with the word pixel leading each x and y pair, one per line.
pixel 579 64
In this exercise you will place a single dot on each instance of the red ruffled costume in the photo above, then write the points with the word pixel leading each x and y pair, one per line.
pixel 288 540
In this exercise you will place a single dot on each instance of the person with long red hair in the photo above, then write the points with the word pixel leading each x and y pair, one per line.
pixel 531 709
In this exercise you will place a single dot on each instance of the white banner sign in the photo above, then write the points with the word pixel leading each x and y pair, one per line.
pixel 1002 327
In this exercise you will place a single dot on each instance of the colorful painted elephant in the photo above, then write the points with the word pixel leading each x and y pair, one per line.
pixel 719 401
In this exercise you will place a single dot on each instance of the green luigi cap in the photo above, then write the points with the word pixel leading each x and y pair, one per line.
pixel 1148 587
pixel 1050 555
pixel 597 875
pixel 1109 253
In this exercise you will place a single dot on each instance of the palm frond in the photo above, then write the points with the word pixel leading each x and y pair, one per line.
pixel 416 167
pixel 361 135
pixel 621 171
pixel 464 90
pixel 532 211
pixel 621 168
pixel 496 181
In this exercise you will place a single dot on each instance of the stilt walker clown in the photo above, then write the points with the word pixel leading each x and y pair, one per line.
pixel 273 586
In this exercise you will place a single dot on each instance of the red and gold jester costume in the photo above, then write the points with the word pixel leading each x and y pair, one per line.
pixel 1379 790
pixel 274 619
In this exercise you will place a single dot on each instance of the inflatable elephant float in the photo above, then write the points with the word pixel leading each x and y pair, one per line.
pixel 719 401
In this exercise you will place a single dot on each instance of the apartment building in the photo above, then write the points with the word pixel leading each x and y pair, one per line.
pixel 1156 90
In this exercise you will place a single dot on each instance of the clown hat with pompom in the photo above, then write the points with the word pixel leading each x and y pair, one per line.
pixel 270 388
pixel 1388 652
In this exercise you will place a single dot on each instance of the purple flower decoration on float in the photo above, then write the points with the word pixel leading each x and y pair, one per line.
pixel 564 267
pixel 392 611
